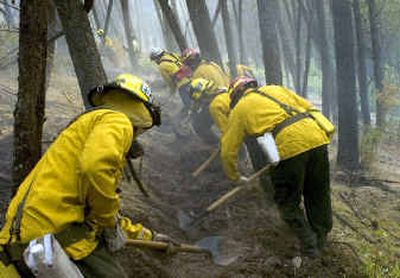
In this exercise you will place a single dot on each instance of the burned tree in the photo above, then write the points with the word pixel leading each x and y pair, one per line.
pixel 361 65
pixel 29 110
pixel 374 21
pixel 228 37
pixel 348 153
pixel 81 44
pixel 130 37
pixel 267 11
pixel 173 23
pixel 202 27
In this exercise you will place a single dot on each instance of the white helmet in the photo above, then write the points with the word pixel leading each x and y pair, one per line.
pixel 155 53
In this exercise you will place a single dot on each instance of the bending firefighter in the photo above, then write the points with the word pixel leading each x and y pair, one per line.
pixel 274 114
pixel 72 191
pixel 170 67
pixel 210 105
pixel 215 95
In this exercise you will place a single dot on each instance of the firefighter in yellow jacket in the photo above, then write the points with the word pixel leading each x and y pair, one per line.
pixel 72 190
pixel 302 146
pixel 210 105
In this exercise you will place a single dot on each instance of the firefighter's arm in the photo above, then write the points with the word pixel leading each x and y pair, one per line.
pixel 219 111
pixel 101 164
pixel 230 145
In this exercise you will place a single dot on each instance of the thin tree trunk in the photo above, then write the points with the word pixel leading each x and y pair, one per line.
pixel 228 37
pixel 82 46
pixel 202 27
pixel 130 38
pixel 362 68
pixel 96 18
pixel 243 59
pixel 216 13
pixel 378 62
pixel 326 65
pixel 173 24
pixel 307 61
pixel 108 18
pixel 299 63
pixel 51 44
pixel 29 109
pixel 348 154
pixel 166 30
pixel 267 10
pixel 8 16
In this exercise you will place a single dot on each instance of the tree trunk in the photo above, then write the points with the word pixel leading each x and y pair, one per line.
pixel 166 30
pixel 378 63
pixel 228 38
pixel 326 65
pixel 243 59
pixel 217 12
pixel 362 68
pixel 202 27
pixel 348 155
pixel 51 43
pixel 130 38
pixel 298 46
pixel 29 109
pixel 8 15
pixel 267 10
pixel 82 46
pixel 108 18
pixel 173 24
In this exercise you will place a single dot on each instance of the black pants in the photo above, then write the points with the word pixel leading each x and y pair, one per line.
pixel 306 174
pixel 259 161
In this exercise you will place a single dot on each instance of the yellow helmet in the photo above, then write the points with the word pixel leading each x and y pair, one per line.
pixel 134 87
pixel 199 86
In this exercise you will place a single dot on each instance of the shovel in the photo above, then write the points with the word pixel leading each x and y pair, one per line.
pixel 186 221
pixel 208 245
pixel 206 163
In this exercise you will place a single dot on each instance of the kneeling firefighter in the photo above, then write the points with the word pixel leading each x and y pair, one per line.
pixel 210 105
pixel 301 135
pixel 71 193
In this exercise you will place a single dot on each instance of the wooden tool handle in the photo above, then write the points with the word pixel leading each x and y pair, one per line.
pixel 206 163
pixel 158 245
pixel 237 189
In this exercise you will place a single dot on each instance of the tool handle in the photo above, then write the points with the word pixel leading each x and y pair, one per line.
pixel 227 196
pixel 163 246
pixel 206 163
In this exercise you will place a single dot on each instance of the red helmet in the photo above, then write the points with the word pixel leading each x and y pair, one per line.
pixel 190 54
pixel 238 86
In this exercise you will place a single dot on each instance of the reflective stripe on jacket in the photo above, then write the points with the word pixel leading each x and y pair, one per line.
pixel 254 115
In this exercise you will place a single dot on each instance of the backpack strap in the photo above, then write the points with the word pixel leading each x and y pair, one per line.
pixel 294 114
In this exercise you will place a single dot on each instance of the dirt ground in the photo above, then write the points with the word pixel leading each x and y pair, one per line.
pixel 365 241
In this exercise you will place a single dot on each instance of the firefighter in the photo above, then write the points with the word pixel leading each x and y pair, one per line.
pixel 72 191
pixel 204 69
pixel 210 105
pixel 302 146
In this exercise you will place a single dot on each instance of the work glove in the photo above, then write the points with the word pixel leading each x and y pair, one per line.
pixel 115 238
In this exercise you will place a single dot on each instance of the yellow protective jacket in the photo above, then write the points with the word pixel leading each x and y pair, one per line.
pixel 75 182
pixel 168 66
pixel 254 115
pixel 211 71
pixel 219 111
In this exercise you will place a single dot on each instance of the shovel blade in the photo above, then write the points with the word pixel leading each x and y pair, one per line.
pixel 212 244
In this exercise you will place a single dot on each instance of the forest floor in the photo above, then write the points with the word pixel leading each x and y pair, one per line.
pixel 364 242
